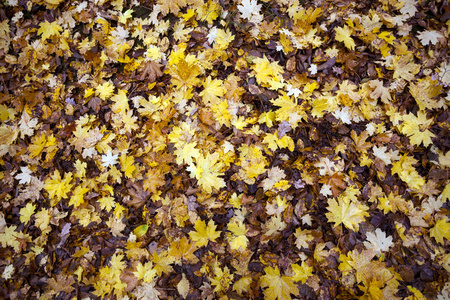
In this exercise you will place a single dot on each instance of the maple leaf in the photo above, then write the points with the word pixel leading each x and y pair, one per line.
pixel 162 262
pixel 238 240
pixel 360 141
pixel 242 285
pixel 213 90
pixel 430 36
pixel 26 212
pixel 344 115
pixel 378 241
pixel 221 279
pixel 145 272
pixel 8 237
pixel 25 176
pixel 57 187
pixel 183 249
pixel 223 39
pixel 287 107
pixel 172 6
pixel 42 219
pixel 302 272
pixel 154 179
pixel 416 128
pixel 405 67
pixel 343 35
pixel 203 233
pixel 406 171
pixel 386 157
pixel 185 74
pixel 394 203
pixel 273 176
pixel 27 124
pixel 278 287
pixel 249 8
pixel 127 165
pixel 109 159
pixel 441 230
pixel 47 29
pixel 350 213
pixel 267 74
pixel 78 196
pixel 37 145
pixel 335 182
pixel 207 171
pixel 62 283
pixel 120 102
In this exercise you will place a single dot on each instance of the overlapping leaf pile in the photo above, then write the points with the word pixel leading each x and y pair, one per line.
pixel 224 150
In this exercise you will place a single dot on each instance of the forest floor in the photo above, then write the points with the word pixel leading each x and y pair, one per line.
pixel 191 149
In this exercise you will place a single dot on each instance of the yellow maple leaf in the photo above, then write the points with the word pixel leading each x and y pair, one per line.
pixel 440 231
pixel 207 171
pixel 345 211
pixel 78 196
pixel 26 212
pixel 162 262
pixel 203 233
pixel 42 220
pixel 47 29
pixel 242 285
pixel 213 90
pixel 57 187
pixel 221 279
pixel 120 102
pixel 145 271
pixel 106 203
pixel 238 240
pixel 154 179
pixel 184 74
pixel 394 203
pixel 267 73
pixel 343 35
pixel 278 287
pixel 252 162
pixel 127 165
pixel 287 106
pixel 416 128
pixel 302 272
pixel 222 115
pixel 37 145
pixel 105 90
pixel 224 38
pixel 183 249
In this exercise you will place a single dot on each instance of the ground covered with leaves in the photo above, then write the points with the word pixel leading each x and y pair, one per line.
pixel 252 149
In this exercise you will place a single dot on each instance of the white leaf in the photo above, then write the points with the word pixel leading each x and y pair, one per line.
pixel 249 8
pixel 378 241
pixel 343 114
pixel 25 176
pixel 109 159
pixel 429 36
